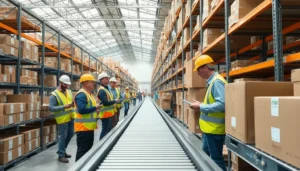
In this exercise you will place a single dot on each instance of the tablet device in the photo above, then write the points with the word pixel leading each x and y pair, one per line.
pixel 187 102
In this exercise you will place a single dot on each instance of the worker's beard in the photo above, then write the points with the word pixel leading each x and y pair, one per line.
pixel 63 87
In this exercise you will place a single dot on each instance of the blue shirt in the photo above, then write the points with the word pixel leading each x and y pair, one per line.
pixel 114 93
pixel 102 96
pixel 81 102
pixel 218 92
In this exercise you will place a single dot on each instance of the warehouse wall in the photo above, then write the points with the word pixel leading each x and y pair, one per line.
pixel 141 71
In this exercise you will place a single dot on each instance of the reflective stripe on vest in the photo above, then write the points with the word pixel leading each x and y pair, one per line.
pixel 106 111
pixel 212 123
pixel 85 122
pixel 64 115
pixel 119 105
pixel 127 97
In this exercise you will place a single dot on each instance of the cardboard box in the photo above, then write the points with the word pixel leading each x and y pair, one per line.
pixel 21 117
pixel 193 121
pixel 166 96
pixel 10 108
pixel 291 39
pixel 26 45
pixel 53 128
pixel 276 124
pixel 26 54
pixel 33 114
pixel 193 80
pixel 13 154
pixel 239 105
pixel 30 133
pixel 165 104
pixel 3 99
pixel 33 106
pixel 5 78
pixel 53 137
pixel 50 80
pixel 8 142
pixel 295 75
pixel 239 164
pixel 206 9
pixel 210 35
pixel 6 39
pixel 25 98
pixel 24 79
pixel 31 145
pixel 7 119
pixel 186 115
pixel 46 139
pixel 9 50
pixel 196 94
pixel 8 69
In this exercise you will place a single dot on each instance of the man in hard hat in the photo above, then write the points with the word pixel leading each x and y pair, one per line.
pixel 106 98
pixel 85 120
pixel 134 97
pixel 127 100
pixel 116 95
pixel 212 110
pixel 61 105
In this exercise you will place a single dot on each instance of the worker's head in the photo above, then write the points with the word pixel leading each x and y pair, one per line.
pixel 88 82
pixel 204 66
pixel 113 82
pixel 127 89
pixel 64 82
pixel 103 78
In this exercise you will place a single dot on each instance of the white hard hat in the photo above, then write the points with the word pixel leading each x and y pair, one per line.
pixel 65 79
pixel 113 79
pixel 102 75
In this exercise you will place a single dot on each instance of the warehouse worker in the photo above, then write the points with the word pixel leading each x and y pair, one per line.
pixel 134 97
pixel 212 117
pixel 61 104
pixel 116 95
pixel 85 121
pixel 106 98
pixel 127 100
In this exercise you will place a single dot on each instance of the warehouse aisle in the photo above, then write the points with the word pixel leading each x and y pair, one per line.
pixel 47 160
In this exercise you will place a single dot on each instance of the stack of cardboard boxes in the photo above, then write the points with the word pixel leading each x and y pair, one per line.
pixel 75 85
pixel 239 164
pixel 210 35
pixel 50 62
pixel 238 64
pixel 10 112
pixel 27 77
pixel 31 138
pixel 11 147
pixel 67 64
pixel 8 74
pixel 50 80
pixel 8 45
pixel 165 100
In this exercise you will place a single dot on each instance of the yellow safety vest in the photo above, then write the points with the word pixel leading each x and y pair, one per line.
pixel 119 105
pixel 212 123
pixel 127 97
pixel 134 94
pixel 63 99
pixel 107 111
pixel 86 122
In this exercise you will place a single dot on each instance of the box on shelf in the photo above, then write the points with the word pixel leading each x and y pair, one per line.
pixel 239 105
pixel 6 39
pixel 5 78
pixel 9 50
pixel 29 133
pixel 276 124
pixel 295 78
pixel 8 142
pixel 46 139
pixel 206 9
pixel 3 99
pixel 193 121
pixel 7 119
pixel 291 39
pixel 33 106
pixel 8 69
pixel 214 4
pixel 33 114
pixel 50 80
pixel 193 80
pixel 13 154
pixel 210 35
pixel 248 79
pixel 21 117
pixel 196 94
pixel 67 63
pixel 53 137
pixel 165 104
pixel 10 108
pixel 24 98
pixel 31 145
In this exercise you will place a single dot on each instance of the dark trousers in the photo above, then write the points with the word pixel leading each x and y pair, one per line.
pixel 213 147
pixel 126 104
pixel 66 132
pixel 85 140
pixel 134 101
pixel 106 126
pixel 115 119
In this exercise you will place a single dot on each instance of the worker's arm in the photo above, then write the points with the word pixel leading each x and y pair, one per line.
pixel 218 92
pixel 81 102
pixel 104 100
pixel 53 104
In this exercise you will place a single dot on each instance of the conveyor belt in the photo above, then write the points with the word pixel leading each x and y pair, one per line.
pixel 146 143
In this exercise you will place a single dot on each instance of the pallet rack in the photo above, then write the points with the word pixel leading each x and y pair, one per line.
pixel 270 20
pixel 18 28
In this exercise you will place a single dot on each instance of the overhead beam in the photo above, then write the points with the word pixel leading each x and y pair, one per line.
pixel 102 19
pixel 93 6
pixel 107 29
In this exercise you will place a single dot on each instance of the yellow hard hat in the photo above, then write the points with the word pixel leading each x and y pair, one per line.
pixel 127 88
pixel 87 77
pixel 202 60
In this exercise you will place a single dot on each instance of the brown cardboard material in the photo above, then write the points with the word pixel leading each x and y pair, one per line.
pixel 239 105
pixel 8 40
pixel 26 54
pixel 196 94
pixel 295 75
pixel 21 117
pixel 9 50
pixel 25 98
pixel 239 164
pixel 3 99
pixel 30 133
pixel 10 108
pixel 32 114
pixel 7 119
pixel 206 8
pixel 33 106
pixel 296 88
pixel 8 142
pixel 8 69
pixel 26 45
pixel 8 156
pixel 165 104
pixel 210 35
pixel 276 124
pixel 31 145
pixel 53 128
pixel 193 80
pixel 46 139
pixel 5 78
pixel 53 137
pixel 193 121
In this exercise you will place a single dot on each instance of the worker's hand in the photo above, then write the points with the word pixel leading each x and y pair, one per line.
pixel 67 106
pixel 99 106
pixel 118 100
pixel 195 105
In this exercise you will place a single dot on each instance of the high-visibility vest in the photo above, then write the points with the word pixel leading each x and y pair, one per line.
pixel 134 94
pixel 119 105
pixel 86 122
pixel 107 111
pixel 212 123
pixel 127 97
pixel 63 99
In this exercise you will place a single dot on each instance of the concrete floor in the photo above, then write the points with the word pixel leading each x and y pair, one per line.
pixel 47 160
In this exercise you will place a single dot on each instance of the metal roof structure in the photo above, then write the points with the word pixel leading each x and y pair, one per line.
pixel 121 29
